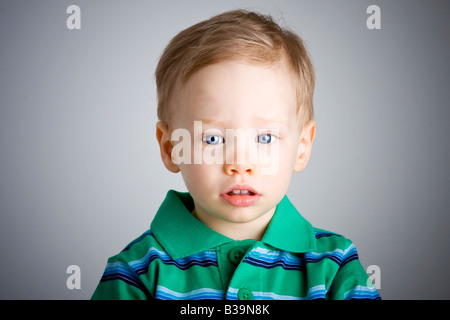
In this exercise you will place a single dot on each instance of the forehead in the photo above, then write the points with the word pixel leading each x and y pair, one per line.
pixel 237 91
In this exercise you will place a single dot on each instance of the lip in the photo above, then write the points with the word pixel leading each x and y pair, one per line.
pixel 241 200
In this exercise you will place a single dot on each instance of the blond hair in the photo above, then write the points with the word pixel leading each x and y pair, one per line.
pixel 235 35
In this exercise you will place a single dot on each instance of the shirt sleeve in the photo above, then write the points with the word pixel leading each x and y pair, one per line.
pixel 351 280
pixel 120 282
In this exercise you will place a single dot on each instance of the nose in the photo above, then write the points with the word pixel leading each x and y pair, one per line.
pixel 240 154
pixel 239 168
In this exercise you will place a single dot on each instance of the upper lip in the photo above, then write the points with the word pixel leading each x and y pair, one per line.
pixel 241 187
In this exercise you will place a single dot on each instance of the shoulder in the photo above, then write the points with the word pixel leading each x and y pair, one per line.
pixel 323 235
pixel 331 241
pixel 332 246
pixel 122 276
pixel 138 248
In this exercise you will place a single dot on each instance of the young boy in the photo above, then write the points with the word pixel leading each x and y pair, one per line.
pixel 235 106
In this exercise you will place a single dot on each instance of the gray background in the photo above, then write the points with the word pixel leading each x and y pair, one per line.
pixel 80 173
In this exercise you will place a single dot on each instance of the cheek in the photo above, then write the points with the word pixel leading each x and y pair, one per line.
pixel 195 173
pixel 285 154
pixel 291 151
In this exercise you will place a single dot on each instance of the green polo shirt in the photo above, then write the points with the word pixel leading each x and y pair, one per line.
pixel 181 258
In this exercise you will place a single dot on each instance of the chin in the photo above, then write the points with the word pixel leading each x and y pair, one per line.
pixel 241 215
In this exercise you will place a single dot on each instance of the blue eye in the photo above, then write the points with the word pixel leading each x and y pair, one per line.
pixel 265 138
pixel 213 139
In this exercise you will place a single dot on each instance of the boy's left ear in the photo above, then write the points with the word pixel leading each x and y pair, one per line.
pixel 304 145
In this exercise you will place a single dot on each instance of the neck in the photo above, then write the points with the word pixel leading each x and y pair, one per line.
pixel 254 229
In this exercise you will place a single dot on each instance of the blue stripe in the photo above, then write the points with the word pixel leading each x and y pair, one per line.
pixel 130 272
pixel 320 234
pixel 267 259
pixel 203 259
pixel 145 234
pixel 314 293
pixel 362 292
pixel 270 259
pixel 164 293
pixel 122 271
pixel 341 257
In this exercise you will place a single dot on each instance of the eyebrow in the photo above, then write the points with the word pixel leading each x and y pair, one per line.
pixel 270 121
pixel 257 119
pixel 211 121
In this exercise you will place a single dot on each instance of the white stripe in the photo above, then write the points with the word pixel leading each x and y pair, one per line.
pixel 258 295
pixel 361 291
pixel 198 293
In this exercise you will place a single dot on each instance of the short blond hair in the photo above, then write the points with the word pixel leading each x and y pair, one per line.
pixel 235 35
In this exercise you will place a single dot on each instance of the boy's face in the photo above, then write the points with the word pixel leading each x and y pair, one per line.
pixel 249 125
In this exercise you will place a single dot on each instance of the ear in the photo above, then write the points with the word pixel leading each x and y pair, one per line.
pixel 165 146
pixel 304 145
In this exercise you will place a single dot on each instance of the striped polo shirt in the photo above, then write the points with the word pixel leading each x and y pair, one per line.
pixel 181 258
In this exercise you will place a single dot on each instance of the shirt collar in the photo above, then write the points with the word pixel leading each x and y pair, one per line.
pixel 288 230
pixel 181 234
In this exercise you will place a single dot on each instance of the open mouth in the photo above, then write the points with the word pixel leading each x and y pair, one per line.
pixel 241 196
pixel 237 192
